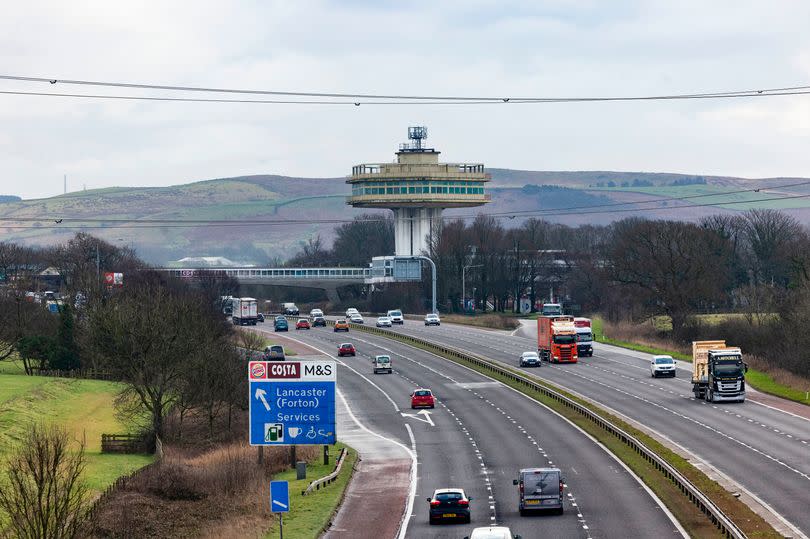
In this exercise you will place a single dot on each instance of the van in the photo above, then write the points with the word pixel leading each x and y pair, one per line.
pixel 382 364
pixel 540 489
pixel 396 316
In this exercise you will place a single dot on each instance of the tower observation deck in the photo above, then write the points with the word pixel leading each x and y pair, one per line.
pixel 417 188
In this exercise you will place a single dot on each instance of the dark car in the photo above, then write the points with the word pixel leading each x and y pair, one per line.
pixel 319 321
pixel 346 349
pixel 280 324
pixel 274 353
pixel 259 317
pixel 449 504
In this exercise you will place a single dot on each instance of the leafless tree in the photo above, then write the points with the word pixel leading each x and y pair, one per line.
pixel 43 496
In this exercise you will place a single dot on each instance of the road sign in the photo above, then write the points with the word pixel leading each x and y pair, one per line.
pixel 279 497
pixel 292 402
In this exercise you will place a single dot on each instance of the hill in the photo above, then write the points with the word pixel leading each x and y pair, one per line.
pixel 571 197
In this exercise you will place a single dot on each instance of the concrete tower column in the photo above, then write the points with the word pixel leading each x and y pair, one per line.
pixel 412 229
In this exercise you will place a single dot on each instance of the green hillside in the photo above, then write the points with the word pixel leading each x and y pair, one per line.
pixel 544 194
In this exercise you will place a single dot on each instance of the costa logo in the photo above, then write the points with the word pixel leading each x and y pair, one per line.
pixel 286 369
pixel 257 370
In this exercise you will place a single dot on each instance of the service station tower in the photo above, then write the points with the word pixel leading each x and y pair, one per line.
pixel 417 188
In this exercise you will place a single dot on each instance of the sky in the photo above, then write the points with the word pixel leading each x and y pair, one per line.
pixel 543 48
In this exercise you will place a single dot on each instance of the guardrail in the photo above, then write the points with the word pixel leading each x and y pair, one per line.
pixel 327 479
pixel 695 495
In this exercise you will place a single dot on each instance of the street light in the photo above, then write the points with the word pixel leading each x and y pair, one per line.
pixel 463 284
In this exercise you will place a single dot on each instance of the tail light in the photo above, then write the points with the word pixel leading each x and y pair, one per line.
pixel 464 502
pixel 521 488
pixel 561 487
pixel 435 503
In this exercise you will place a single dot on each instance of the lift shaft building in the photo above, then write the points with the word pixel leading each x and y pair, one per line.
pixel 417 188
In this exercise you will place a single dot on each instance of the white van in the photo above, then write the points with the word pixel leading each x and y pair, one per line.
pixel 382 364
pixel 396 316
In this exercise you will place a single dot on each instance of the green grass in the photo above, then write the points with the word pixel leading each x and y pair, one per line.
pixel 309 515
pixel 83 407
pixel 597 325
pixel 741 201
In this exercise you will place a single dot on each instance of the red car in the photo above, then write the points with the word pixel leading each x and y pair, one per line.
pixel 302 323
pixel 422 398
pixel 346 349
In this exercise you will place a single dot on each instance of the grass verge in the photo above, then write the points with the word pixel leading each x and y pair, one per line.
pixel 690 517
pixel 83 407
pixel 310 515
pixel 759 380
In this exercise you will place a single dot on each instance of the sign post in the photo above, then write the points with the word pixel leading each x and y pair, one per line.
pixel 280 502
pixel 292 402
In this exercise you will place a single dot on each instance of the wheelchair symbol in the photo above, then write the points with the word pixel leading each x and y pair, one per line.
pixel 311 434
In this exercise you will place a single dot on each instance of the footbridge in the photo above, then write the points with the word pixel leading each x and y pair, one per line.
pixel 327 279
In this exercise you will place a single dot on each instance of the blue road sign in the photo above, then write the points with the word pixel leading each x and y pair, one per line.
pixel 279 497
pixel 292 402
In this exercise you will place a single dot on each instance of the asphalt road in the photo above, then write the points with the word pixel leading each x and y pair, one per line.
pixel 477 438
pixel 767 451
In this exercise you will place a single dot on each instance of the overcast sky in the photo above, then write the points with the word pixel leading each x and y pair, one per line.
pixel 464 47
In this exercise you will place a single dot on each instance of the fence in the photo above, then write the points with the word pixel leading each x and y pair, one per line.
pixel 693 493
pixel 124 443
pixel 87 374
pixel 328 479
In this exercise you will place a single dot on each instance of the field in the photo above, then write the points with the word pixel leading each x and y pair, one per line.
pixel 83 407
pixel 713 194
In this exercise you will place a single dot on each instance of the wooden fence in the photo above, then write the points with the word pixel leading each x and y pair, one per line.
pixel 124 443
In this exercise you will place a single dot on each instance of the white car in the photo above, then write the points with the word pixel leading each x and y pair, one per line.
pixel 492 532
pixel 315 312
pixel 350 311
pixel 662 366
pixel 383 322
pixel 356 318
pixel 432 319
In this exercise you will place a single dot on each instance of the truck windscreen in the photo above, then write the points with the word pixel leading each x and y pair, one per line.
pixel 728 368
pixel 565 339
pixel 584 337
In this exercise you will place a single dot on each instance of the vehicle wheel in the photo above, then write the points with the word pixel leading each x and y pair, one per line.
pixel 522 512
pixel 652 375
pixel 431 521
pixel 560 511
pixel 710 395
pixel 432 406
pixel 468 519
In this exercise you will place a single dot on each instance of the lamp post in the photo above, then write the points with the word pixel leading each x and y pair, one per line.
pixel 463 284
pixel 433 283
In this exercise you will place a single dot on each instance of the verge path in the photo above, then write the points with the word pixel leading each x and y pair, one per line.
pixel 379 490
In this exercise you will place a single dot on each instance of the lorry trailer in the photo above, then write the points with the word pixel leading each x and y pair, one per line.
pixel 245 312
pixel 557 339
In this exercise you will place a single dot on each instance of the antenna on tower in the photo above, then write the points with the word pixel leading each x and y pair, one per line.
pixel 417 134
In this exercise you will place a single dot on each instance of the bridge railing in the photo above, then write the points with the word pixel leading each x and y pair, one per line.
pixel 247 274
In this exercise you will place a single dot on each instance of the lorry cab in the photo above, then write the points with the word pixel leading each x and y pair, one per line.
pixel 718 372
pixel 540 489
pixel 382 364
pixel 551 309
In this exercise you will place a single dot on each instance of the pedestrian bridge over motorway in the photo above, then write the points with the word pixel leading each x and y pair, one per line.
pixel 327 279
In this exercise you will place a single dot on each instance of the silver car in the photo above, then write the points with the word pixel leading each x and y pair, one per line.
pixel 383 322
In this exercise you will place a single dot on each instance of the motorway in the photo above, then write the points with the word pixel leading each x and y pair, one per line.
pixel 478 437
pixel 765 450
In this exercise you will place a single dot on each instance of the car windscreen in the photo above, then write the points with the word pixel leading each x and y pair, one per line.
pixel 383 359
pixel 663 361
pixel 564 339
pixel 535 484
pixel 422 393
pixel 531 355
pixel 395 313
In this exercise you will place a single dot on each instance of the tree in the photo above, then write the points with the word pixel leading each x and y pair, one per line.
pixel 769 236
pixel 367 236
pixel 147 336
pixel 672 265
pixel 313 254
pixel 43 496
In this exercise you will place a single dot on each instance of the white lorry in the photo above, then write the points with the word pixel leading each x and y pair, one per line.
pixel 245 312
pixel 584 336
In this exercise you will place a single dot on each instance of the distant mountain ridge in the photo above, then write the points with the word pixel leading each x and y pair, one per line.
pixel 285 203
pixel 9 198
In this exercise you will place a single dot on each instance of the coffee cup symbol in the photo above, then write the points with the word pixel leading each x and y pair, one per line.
pixel 293 432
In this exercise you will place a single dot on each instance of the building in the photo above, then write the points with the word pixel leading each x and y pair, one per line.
pixel 417 188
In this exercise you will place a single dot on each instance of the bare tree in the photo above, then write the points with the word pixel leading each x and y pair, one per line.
pixel 43 496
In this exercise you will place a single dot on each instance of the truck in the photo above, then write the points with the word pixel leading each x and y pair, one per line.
pixel 290 309
pixel 557 339
pixel 245 311
pixel 584 336
pixel 718 372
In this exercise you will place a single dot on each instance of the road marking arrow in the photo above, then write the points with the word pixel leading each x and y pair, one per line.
pixel 424 413
pixel 260 394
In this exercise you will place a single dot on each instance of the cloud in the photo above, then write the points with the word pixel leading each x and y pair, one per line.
pixel 546 48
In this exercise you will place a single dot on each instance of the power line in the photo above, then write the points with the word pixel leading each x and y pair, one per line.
pixel 173 223
pixel 401 99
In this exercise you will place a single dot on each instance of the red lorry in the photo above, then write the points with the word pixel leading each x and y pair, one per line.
pixel 557 339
